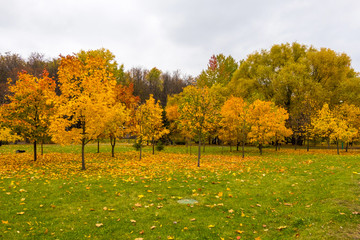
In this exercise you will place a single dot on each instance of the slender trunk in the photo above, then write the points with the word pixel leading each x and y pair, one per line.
pixel 328 142
pixel 187 145
pixel 42 147
pixel 337 147
pixel 199 149
pixel 243 149
pixel 190 147
pixel 35 155
pixel 98 145
pixel 113 142
pixel 276 145
pixel 140 150
pixel 308 144
pixel 237 146
pixel 222 147
pixel 260 148
pixel 153 145
pixel 204 147
pixel 230 148
pixel 347 147
pixel 296 141
pixel 83 149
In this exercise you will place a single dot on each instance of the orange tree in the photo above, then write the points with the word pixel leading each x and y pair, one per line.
pixel 120 116
pixel 198 110
pixel 234 122
pixel 87 88
pixel 31 104
pixel 150 126
pixel 267 123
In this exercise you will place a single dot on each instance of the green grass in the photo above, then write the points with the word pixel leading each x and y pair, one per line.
pixel 281 195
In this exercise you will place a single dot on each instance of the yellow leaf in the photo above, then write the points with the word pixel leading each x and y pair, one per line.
pixel 99 224
pixel 211 226
pixel 20 213
pixel 220 194
pixel 133 221
pixel 4 222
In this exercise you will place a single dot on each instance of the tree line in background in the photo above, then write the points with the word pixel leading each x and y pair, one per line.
pixel 290 92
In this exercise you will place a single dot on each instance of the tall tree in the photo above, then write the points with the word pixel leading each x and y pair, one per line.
pixel 199 110
pixel 234 121
pixel 267 123
pixel 31 105
pixel 150 124
pixel 87 86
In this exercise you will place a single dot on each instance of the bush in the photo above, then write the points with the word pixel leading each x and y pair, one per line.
pixel 137 145
pixel 159 146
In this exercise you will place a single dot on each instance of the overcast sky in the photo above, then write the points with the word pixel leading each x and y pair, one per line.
pixel 177 34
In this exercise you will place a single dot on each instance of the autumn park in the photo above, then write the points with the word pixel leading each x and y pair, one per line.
pixel 265 147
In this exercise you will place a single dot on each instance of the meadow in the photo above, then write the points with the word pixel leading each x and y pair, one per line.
pixel 286 194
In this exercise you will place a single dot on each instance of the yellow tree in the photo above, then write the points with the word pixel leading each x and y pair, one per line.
pixel 31 105
pixel 120 116
pixel 150 124
pixel 234 121
pixel 87 88
pixel 6 135
pixel 198 112
pixel 324 124
pixel 267 123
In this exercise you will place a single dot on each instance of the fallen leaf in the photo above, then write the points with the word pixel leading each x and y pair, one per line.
pixel 133 221
pixel 4 222
pixel 152 227
pixel 99 224
pixel 239 231
pixel 231 211
pixel 20 213
pixel 211 226
pixel 105 208
pixel 193 219
pixel 137 205
pixel 281 227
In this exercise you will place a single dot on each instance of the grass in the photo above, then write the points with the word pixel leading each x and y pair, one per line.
pixel 280 195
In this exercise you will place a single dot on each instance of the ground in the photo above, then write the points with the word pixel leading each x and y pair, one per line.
pixel 280 195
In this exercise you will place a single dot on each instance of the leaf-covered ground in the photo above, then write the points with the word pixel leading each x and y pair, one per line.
pixel 289 194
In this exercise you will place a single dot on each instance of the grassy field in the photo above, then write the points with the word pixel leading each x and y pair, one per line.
pixel 280 195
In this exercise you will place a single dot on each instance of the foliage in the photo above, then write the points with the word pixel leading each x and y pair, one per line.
pixel 150 126
pixel 87 89
pixel 30 107
pixel 267 123
pixel 198 112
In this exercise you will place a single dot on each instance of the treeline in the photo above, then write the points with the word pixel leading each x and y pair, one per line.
pixel 145 81
pixel 289 92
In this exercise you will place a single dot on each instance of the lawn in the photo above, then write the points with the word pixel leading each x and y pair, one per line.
pixel 281 195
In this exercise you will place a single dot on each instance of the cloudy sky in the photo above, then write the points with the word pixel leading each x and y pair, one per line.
pixel 177 34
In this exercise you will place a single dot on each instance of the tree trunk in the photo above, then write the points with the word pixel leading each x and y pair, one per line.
pixel 83 149
pixel 98 145
pixel 42 147
pixel 337 147
pixel 230 148
pixel 113 142
pixel 204 147
pixel 243 149
pixel 328 142
pixel 260 148
pixel 237 146
pixel 308 144
pixel 199 149
pixel 296 141
pixel 347 147
pixel 153 146
pixel 276 145
pixel 140 150
pixel 35 155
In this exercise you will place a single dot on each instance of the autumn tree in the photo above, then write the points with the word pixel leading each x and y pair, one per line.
pixel 234 121
pixel 199 111
pixel 87 87
pixel 30 107
pixel 267 123
pixel 6 135
pixel 219 71
pixel 120 117
pixel 150 125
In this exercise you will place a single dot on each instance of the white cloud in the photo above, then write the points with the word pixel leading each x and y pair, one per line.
pixel 176 34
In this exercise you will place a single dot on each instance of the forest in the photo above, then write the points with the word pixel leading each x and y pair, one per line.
pixel 291 93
